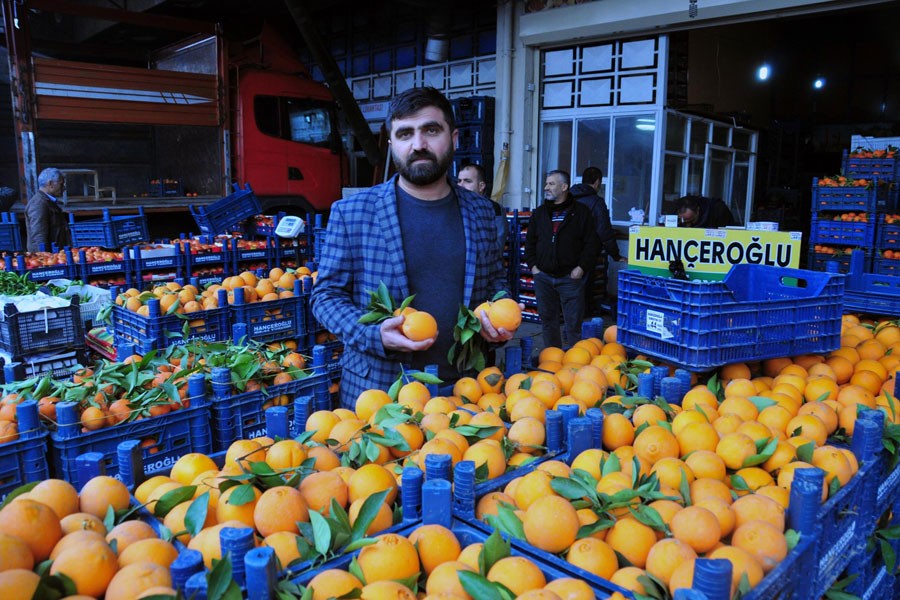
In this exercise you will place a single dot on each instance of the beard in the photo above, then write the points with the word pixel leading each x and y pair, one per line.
pixel 423 173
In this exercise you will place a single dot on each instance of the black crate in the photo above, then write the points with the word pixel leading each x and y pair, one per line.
pixel 26 333
pixel 473 110
pixel 476 139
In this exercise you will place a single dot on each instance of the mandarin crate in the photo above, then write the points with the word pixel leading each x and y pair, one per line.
pixel 158 331
pixel 146 261
pixel 68 270
pixel 221 216
pixel 850 198
pixel 870 292
pixel 888 234
pixel 237 255
pixel 164 438
pixel 756 312
pixel 90 298
pixel 272 320
pixel 87 270
pixel 242 416
pixel 818 261
pixel 25 459
pixel 885 266
pixel 10 234
pixel 436 502
pixel 827 231
pixel 858 167
pixel 110 232
pixel 43 330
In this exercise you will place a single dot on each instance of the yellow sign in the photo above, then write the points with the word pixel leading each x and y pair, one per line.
pixel 709 253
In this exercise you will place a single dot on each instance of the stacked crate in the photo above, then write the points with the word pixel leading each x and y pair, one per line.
pixel 884 170
pixel 475 120
pixel 843 220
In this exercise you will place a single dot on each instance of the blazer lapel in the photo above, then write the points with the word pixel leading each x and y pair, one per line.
pixel 469 227
pixel 390 236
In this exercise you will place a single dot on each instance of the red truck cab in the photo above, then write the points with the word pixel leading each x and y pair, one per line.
pixel 287 144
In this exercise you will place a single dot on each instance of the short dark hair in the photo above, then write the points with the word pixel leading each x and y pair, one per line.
pixel 413 100
pixel 687 203
pixel 564 175
pixel 591 175
pixel 478 169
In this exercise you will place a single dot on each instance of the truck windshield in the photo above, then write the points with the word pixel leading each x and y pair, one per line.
pixel 296 119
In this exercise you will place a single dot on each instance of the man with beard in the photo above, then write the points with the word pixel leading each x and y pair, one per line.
pixel 560 247
pixel 418 234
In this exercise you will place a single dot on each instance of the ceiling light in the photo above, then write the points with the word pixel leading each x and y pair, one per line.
pixel 763 73
pixel 819 83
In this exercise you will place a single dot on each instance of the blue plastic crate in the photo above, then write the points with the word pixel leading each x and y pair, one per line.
pixel 242 416
pixel 25 459
pixel 222 215
pixel 320 235
pixel 273 320
pixel 89 270
pixel 25 333
pixel 868 199
pixel 473 110
pixel 10 234
pixel 239 256
pixel 551 566
pixel 159 331
pixel 110 232
pixel 165 187
pixel 476 139
pixel 753 314
pixel 885 266
pixel 888 234
pixel 870 292
pixel 69 270
pixel 172 436
pixel 857 167
pixel 150 266
pixel 818 261
pixel 827 231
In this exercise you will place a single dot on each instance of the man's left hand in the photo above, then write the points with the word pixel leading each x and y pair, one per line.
pixel 577 273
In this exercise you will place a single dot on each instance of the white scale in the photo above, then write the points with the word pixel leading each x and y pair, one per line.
pixel 290 226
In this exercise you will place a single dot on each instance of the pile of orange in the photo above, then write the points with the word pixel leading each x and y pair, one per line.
pixel 178 299
pixel 53 521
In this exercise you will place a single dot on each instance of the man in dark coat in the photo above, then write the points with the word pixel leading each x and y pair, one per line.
pixel 45 221
pixel 587 193
pixel 560 247
pixel 702 212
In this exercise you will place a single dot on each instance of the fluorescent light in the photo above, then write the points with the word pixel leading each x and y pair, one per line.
pixel 646 126
pixel 819 83
pixel 763 73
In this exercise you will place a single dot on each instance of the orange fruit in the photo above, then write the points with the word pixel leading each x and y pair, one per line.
pixel 333 583
pixel 59 495
pixel 279 509
pixel 369 479
pixel 244 452
pixel 226 511
pixel 632 539
pixel 152 550
pixel 435 545
pixel 419 326
pixel 594 556
pixel 556 510
pixel 754 507
pixel 318 489
pixel 129 532
pixel 186 468
pixel 742 563
pixel 391 557
pixel 14 553
pixel 384 518
pixel 518 574
pixel 697 527
pixel 18 584
pixel 735 448
pixel 444 580
pixel 667 555
pixel 91 566
pixel 100 493
pixel 763 541
pixel 655 442
pixel 34 523
pixel 135 579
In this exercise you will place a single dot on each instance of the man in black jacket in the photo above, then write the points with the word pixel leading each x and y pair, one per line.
pixel 560 247
pixel 587 193
pixel 699 211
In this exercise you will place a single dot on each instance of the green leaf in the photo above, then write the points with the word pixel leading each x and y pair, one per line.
pixel 792 537
pixel 22 489
pixel 495 548
pixel 761 402
pixel 243 494
pixel 569 489
pixel 477 586
pixel 356 571
pixel 426 378
pixel 805 452
pixel 507 522
pixel 684 489
pixel 367 514
pixel 170 500
pixel 360 543
pixel 321 532
pixel 218 580
pixel 196 514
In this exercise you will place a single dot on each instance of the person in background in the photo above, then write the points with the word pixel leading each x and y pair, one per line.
pixel 45 221
pixel 7 198
pixel 471 177
pixel 560 247
pixel 419 234
pixel 706 213
pixel 587 192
